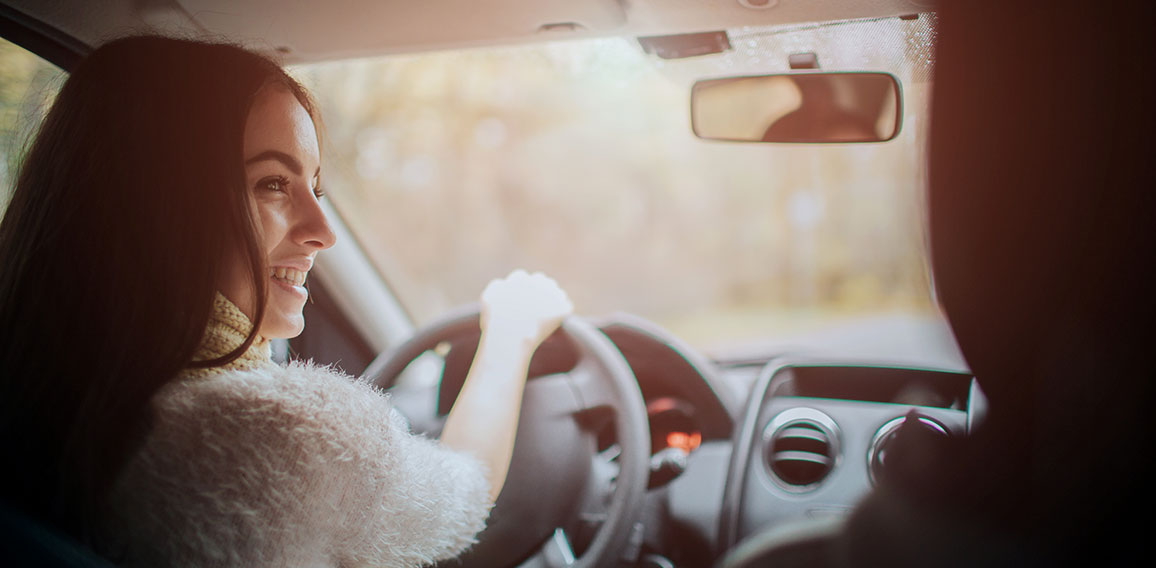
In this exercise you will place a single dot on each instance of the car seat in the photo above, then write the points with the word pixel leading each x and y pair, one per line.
pixel 1042 223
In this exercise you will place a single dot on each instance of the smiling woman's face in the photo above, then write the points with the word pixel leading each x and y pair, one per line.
pixel 282 173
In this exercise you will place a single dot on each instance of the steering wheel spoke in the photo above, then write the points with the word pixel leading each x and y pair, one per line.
pixel 593 392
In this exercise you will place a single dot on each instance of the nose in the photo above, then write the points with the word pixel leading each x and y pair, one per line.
pixel 312 227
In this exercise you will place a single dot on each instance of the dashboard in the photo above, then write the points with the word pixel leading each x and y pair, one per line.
pixel 736 447
pixel 817 434
pixel 760 444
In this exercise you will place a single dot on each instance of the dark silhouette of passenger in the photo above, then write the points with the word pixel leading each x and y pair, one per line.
pixel 820 118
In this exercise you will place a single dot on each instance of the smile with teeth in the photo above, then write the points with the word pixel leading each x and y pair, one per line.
pixel 290 276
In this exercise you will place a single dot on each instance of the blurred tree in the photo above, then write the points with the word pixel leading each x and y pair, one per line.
pixel 27 87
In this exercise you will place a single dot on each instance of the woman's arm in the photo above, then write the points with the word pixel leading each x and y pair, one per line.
pixel 518 313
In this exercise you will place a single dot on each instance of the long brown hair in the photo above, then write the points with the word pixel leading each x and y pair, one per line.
pixel 128 202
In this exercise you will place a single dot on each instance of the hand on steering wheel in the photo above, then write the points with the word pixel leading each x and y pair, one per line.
pixel 524 305
pixel 556 479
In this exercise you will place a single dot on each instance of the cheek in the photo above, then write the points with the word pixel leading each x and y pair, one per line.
pixel 272 227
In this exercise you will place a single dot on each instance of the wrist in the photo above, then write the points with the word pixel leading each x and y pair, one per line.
pixel 511 330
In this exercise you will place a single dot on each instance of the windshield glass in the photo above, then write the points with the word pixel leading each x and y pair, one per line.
pixel 577 158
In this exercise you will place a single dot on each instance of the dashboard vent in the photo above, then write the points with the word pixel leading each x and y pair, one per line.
pixel 801 448
pixel 885 439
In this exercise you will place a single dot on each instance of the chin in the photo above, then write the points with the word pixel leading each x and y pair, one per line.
pixel 282 326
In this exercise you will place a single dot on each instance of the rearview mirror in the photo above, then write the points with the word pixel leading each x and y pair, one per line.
pixel 798 107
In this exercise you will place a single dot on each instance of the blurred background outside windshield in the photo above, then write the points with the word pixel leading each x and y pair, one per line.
pixel 576 158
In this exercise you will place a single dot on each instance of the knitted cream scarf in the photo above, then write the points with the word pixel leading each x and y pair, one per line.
pixel 227 329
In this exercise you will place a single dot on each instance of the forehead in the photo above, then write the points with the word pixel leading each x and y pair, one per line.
pixel 277 121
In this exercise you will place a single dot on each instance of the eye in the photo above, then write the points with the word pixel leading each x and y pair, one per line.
pixel 318 192
pixel 274 183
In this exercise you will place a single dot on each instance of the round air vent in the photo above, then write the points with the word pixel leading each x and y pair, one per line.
pixel 801 447
pixel 885 437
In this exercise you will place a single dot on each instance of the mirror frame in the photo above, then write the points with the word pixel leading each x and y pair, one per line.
pixel 899 105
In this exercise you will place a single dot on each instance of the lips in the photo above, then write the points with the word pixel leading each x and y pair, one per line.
pixel 289 276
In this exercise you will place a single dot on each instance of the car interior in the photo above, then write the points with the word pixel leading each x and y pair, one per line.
pixel 1012 428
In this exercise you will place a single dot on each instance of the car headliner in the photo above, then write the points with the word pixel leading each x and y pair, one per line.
pixel 315 31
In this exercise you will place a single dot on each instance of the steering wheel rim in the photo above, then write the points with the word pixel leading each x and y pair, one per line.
pixel 602 379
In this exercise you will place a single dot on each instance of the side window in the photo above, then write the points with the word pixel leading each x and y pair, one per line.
pixel 28 85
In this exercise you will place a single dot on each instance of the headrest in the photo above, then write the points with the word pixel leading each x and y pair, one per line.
pixel 1041 206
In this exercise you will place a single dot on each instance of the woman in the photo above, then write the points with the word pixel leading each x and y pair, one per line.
pixel 159 234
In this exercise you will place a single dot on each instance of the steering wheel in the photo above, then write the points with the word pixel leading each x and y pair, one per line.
pixel 560 489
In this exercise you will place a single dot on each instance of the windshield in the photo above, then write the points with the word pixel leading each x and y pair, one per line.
pixel 577 158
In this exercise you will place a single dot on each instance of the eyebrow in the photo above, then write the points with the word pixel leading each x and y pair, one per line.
pixel 288 161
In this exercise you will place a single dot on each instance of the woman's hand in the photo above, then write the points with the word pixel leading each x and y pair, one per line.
pixel 518 313
pixel 524 306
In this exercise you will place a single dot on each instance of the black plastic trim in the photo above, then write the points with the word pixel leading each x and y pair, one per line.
pixel 48 42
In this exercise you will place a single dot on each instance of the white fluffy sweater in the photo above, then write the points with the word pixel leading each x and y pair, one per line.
pixel 265 465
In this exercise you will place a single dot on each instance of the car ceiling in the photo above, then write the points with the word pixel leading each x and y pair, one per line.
pixel 302 30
